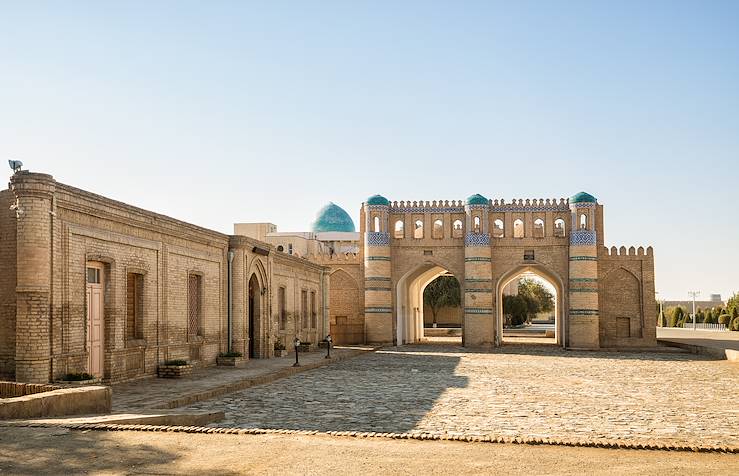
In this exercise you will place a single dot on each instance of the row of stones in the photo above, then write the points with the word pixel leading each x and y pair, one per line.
pixel 596 443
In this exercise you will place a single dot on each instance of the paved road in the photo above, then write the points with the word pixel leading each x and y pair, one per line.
pixel 514 391
pixel 716 339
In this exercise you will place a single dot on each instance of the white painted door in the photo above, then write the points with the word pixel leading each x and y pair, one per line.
pixel 95 319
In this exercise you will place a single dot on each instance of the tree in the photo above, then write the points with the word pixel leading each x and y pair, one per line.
pixel 538 298
pixel 442 292
pixel 732 304
pixel 677 317
pixel 516 307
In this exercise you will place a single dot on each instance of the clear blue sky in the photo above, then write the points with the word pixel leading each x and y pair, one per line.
pixel 222 112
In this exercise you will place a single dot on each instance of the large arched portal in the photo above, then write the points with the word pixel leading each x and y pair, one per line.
pixel 541 273
pixel 409 308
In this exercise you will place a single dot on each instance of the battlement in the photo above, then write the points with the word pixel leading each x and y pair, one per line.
pixel 497 205
pixel 622 252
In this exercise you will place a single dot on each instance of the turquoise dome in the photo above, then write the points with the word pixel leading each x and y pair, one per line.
pixel 332 218
pixel 582 197
pixel 477 199
pixel 378 200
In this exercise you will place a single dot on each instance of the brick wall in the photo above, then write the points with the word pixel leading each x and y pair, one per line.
pixel 7 285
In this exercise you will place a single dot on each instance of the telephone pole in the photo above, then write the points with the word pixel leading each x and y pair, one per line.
pixel 694 294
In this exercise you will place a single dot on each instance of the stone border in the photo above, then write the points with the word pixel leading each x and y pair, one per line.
pixel 584 443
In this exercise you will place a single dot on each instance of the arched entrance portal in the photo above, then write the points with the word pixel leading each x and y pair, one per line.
pixel 541 273
pixel 409 308
pixel 255 294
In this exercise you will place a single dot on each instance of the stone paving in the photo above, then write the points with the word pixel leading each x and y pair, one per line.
pixel 515 391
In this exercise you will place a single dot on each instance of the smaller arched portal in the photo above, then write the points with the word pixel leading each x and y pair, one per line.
pixel 549 281
pixel 409 302
pixel 255 296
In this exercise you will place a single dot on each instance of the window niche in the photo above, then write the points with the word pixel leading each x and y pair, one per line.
pixel 518 229
pixel 538 228
pixel 418 229
pixel 498 229
pixel 399 231
pixel 437 232
pixel 457 229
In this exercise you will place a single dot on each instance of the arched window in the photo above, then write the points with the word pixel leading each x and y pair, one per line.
pixel 476 224
pixel 418 229
pixel 559 227
pixel 280 248
pixel 518 229
pixel 498 231
pixel 377 224
pixel 438 230
pixel 583 222
pixel 457 229
pixel 538 228
pixel 399 233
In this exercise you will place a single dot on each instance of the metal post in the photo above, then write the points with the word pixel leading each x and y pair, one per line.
pixel 297 351
pixel 694 294
pixel 328 346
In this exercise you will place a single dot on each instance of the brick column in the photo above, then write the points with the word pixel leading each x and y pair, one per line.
pixel 378 298
pixel 479 320
pixel 584 314
pixel 33 194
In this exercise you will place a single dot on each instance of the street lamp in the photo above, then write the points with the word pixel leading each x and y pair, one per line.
pixel 328 346
pixel 297 351
pixel 694 294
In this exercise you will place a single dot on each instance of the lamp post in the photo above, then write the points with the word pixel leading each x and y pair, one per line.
pixel 694 294
pixel 328 346
pixel 297 351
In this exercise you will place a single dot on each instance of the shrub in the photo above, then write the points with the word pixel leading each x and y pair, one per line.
pixel 279 345
pixel 230 354
pixel 78 376
pixel 724 319
pixel 735 324
pixel 175 362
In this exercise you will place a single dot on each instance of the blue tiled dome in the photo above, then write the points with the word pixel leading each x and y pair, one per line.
pixel 582 197
pixel 378 200
pixel 333 218
pixel 477 199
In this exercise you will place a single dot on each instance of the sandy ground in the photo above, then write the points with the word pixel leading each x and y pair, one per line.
pixel 58 451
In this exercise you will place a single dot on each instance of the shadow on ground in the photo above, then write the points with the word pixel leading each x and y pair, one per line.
pixel 378 392
pixel 78 452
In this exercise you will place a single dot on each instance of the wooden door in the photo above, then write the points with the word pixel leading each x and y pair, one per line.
pixel 95 307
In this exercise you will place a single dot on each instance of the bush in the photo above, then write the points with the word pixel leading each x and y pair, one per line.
pixel 175 362
pixel 735 324
pixel 78 376
pixel 724 319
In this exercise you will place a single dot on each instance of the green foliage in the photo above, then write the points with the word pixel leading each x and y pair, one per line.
pixel 735 312
pixel 175 362
pixel 442 292
pixel 732 305
pixel 516 307
pixel 538 298
pixel 734 324
pixel 724 319
pixel 677 316
pixel 700 315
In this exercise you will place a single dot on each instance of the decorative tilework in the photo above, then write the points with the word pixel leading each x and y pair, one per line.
pixel 378 258
pixel 583 258
pixel 583 290
pixel 583 280
pixel 477 290
pixel 477 239
pixel 378 310
pixel 584 312
pixel 477 258
pixel 427 210
pixel 378 238
pixel 478 310
pixel 376 278
pixel 478 280
pixel 582 237
pixel 367 288
pixel 478 206
pixel 377 207
pixel 530 208
pixel 582 205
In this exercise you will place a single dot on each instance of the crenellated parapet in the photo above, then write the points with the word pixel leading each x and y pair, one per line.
pixel 624 253
pixel 530 205
pixel 335 258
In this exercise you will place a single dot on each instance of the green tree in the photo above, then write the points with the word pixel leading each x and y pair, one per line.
pixel 442 292
pixel 732 304
pixel 735 312
pixel 538 297
pixel 677 317
pixel 709 316
pixel 516 307
pixel 724 319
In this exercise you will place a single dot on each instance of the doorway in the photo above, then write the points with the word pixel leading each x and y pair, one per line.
pixel 95 307
pixel 254 302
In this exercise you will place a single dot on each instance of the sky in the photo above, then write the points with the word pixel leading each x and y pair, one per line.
pixel 235 111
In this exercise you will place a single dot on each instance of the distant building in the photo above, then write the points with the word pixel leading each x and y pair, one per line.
pixel 715 301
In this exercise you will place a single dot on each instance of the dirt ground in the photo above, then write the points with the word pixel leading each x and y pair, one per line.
pixel 35 451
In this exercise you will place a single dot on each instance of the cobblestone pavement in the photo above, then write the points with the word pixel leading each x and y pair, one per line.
pixel 514 391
